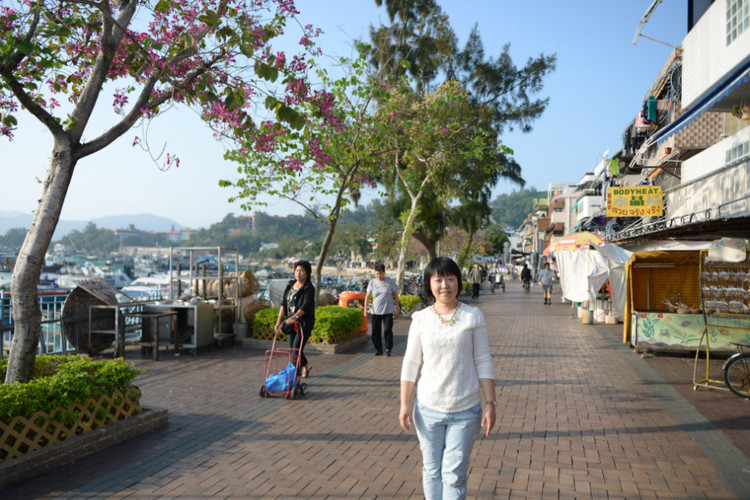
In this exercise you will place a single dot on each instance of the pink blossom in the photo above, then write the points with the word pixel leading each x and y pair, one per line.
pixel 293 164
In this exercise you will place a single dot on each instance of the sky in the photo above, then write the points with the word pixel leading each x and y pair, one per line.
pixel 598 87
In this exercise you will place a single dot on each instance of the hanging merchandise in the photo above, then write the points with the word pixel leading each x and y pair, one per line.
pixel 614 167
pixel 651 105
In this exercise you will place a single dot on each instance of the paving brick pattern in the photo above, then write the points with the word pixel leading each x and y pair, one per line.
pixel 579 416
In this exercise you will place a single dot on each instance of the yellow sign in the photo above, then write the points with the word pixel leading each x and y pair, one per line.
pixel 634 201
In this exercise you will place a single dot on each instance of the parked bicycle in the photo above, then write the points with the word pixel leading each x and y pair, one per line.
pixel 737 371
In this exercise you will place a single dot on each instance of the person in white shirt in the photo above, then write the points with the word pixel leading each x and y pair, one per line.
pixel 546 278
pixel 448 362
pixel 384 294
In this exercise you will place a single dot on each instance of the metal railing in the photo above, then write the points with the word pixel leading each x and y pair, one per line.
pixel 680 221
pixel 52 339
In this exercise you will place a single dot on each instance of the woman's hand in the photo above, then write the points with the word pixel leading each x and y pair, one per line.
pixel 404 418
pixel 278 326
pixel 488 419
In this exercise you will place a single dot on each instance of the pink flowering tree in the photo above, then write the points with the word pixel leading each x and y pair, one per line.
pixel 324 166
pixel 60 59
pixel 459 245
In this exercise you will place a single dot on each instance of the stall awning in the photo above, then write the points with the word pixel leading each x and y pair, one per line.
pixel 738 76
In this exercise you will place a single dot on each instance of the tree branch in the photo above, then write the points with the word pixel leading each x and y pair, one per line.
pixel 12 62
pixel 32 107
pixel 110 40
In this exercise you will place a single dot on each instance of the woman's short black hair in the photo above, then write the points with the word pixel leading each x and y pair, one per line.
pixel 306 266
pixel 441 266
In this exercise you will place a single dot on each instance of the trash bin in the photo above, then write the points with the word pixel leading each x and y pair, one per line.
pixel 346 299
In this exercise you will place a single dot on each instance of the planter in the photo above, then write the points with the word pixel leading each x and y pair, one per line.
pixel 742 112
pixel 331 348
pixel 587 317
pixel 599 315
pixel 24 435
pixel 610 319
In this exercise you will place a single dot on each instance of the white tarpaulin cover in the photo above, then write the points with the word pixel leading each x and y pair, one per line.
pixel 582 273
pixel 727 250
pixel 616 257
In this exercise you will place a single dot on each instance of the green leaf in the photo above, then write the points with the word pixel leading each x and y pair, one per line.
pixel 272 103
pixel 163 6
pixel 210 18
pixel 265 71
pixel 25 47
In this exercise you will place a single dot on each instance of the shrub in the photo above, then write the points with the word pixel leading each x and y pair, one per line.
pixel 332 323
pixel 408 303
pixel 63 381
pixel 335 323
pixel 264 323
pixel 44 366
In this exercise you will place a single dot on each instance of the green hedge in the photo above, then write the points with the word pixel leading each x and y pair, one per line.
pixel 408 303
pixel 335 323
pixel 63 381
pixel 332 324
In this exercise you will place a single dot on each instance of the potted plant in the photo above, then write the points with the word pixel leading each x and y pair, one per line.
pixel 742 111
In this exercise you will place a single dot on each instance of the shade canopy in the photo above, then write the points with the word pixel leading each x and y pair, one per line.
pixel 577 240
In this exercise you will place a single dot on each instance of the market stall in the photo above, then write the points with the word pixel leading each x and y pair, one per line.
pixel 582 271
pixel 616 258
pixel 725 301
pixel 662 303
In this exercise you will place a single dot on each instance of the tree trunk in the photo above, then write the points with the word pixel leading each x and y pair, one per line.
pixel 405 235
pixel 26 313
pixel 428 244
pixel 466 250
pixel 333 219
pixel 322 257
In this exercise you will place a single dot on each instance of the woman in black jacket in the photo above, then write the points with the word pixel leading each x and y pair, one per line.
pixel 298 305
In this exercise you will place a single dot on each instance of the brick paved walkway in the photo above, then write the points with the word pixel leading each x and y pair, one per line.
pixel 580 416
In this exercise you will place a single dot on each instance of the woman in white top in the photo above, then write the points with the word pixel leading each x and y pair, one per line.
pixel 448 342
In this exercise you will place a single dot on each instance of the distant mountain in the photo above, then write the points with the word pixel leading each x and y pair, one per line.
pixel 144 222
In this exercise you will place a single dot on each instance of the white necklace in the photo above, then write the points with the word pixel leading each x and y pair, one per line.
pixel 450 319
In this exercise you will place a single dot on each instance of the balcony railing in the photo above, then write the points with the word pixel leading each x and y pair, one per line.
pixel 588 206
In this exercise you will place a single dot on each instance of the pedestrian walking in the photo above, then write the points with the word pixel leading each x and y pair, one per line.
pixel 448 362
pixel 546 277
pixel 475 278
pixel 298 305
pixel 383 292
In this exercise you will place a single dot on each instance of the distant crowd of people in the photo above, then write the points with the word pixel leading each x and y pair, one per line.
pixel 494 274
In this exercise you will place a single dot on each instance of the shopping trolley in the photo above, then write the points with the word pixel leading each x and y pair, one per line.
pixel 282 370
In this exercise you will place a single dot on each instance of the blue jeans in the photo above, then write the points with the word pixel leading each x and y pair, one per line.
pixel 446 440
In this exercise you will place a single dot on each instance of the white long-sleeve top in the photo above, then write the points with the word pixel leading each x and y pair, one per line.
pixel 452 359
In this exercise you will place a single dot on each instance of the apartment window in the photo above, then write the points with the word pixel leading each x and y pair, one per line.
pixel 737 152
pixel 738 18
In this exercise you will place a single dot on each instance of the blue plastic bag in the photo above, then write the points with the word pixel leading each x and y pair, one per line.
pixel 282 381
